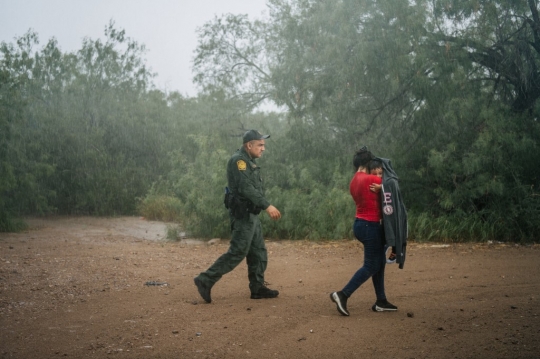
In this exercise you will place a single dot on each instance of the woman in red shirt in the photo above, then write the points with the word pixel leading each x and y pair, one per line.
pixel 368 230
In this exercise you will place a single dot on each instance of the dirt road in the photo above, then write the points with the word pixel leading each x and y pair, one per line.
pixel 76 287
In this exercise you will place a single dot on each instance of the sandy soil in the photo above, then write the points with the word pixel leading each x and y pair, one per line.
pixel 76 287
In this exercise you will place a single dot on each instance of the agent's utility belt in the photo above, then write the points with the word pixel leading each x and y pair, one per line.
pixel 239 208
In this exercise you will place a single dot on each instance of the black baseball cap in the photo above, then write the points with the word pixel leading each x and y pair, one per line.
pixel 253 135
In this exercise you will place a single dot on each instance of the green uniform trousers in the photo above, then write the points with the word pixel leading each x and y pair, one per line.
pixel 246 242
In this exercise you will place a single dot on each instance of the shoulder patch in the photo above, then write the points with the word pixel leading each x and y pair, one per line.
pixel 241 165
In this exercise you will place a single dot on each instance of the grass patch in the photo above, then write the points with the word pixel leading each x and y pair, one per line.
pixel 10 224
pixel 453 229
pixel 161 208
pixel 173 233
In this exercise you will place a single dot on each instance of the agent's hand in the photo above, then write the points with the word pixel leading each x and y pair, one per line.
pixel 374 187
pixel 273 212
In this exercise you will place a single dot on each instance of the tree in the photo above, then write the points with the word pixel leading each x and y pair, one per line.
pixel 11 107
pixel 446 88
pixel 502 39
pixel 231 57
pixel 86 140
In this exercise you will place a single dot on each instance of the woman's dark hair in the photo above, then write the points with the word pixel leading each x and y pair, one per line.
pixel 373 164
pixel 362 158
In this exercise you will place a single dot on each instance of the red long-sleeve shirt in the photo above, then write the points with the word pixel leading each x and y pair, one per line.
pixel 368 204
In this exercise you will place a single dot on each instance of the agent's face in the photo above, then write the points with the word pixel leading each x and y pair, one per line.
pixel 255 148
pixel 377 172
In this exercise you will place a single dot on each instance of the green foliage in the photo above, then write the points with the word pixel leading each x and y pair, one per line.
pixel 160 207
pixel 173 232
pixel 11 107
pixel 447 89
pixel 86 139
pixel 9 223
pixel 230 56
pixel 311 208
pixel 315 215
pixel 201 187
pixel 454 228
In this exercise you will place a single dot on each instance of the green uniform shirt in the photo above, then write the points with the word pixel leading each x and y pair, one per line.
pixel 244 178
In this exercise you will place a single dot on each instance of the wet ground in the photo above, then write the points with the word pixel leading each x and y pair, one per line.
pixel 78 287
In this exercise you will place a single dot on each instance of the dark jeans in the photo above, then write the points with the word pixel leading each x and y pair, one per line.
pixel 370 234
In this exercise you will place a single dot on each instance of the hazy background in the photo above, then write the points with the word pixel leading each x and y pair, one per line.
pixel 94 133
pixel 166 27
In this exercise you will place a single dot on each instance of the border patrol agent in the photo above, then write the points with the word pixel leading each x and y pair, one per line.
pixel 245 199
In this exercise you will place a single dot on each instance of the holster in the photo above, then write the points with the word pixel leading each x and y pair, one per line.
pixel 238 208
pixel 227 199
pixel 252 208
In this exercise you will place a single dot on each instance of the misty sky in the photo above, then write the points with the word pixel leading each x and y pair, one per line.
pixel 165 27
